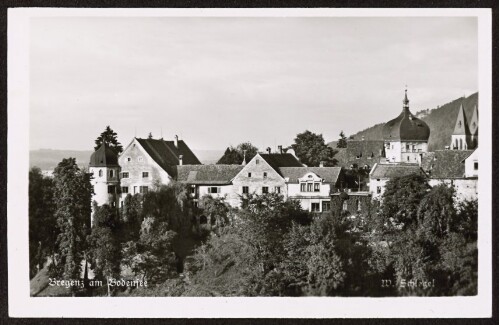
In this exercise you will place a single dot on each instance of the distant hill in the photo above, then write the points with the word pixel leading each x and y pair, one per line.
pixel 47 159
pixel 441 121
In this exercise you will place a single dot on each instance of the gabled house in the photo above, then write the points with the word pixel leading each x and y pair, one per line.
pixel 382 173
pixel 147 162
pixel 458 168
pixel 312 186
pixel 261 174
pixel 213 180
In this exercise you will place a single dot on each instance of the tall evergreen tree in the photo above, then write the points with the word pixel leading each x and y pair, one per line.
pixel 111 138
pixel 342 141
pixel 72 196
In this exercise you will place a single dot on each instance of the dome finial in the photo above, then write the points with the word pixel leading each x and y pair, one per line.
pixel 406 100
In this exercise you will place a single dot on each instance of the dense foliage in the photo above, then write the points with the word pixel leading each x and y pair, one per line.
pixel 312 150
pixel 236 155
pixel 111 138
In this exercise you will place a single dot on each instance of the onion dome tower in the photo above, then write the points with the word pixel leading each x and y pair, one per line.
pixel 105 175
pixel 405 137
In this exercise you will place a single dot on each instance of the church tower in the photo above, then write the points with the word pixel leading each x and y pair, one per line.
pixel 405 137
pixel 474 129
pixel 105 176
pixel 461 136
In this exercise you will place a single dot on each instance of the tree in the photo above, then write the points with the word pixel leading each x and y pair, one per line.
pixel 312 149
pixel 235 156
pixel 42 223
pixel 342 141
pixel 111 138
pixel 72 196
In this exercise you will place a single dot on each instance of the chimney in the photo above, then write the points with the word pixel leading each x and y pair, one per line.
pixel 268 150
pixel 280 149
pixel 176 141
pixel 180 158
pixel 321 164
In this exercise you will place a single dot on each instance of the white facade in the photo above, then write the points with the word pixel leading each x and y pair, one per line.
pixel 139 172
pixel 471 165
pixel 312 193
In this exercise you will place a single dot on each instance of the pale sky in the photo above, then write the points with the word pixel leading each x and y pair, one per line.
pixel 220 81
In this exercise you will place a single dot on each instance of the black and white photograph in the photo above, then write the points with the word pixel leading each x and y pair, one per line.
pixel 335 161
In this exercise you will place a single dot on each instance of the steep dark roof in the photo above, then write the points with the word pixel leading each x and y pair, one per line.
pixel 361 152
pixel 104 157
pixel 446 164
pixel 207 174
pixel 329 174
pixel 461 127
pixel 278 160
pixel 166 154
pixel 394 170
pixel 406 127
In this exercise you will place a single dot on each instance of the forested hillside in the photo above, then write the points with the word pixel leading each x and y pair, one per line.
pixel 441 121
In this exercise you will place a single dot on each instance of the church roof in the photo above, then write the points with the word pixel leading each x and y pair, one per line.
pixel 474 121
pixel 104 156
pixel 406 127
pixel 461 127
pixel 328 174
pixel 207 174
pixel 361 153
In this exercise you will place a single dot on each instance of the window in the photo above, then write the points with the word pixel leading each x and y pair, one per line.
pixel 111 189
pixel 249 174
pixel 135 190
pixel 144 189
pixel 326 206
pixel 265 190
pixel 459 124
pixel 309 187
pixel 407 158
pixel 413 148
pixel 265 175
pixel 257 161
pixel 145 174
pixel 125 175
pixel 303 187
pixel 345 205
pixel 277 189
pixel 121 203
pixel 100 172
pixel 124 189
pixel 128 159
pixel 193 189
pixel 317 187
pixel 111 173
pixel 475 165
pixel 214 190
pixel 245 189
pixel 407 147
pixel 378 189
pixel 316 207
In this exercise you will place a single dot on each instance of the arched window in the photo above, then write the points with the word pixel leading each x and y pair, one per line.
pixel 456 146
pixel 100 172
pixel 460 144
